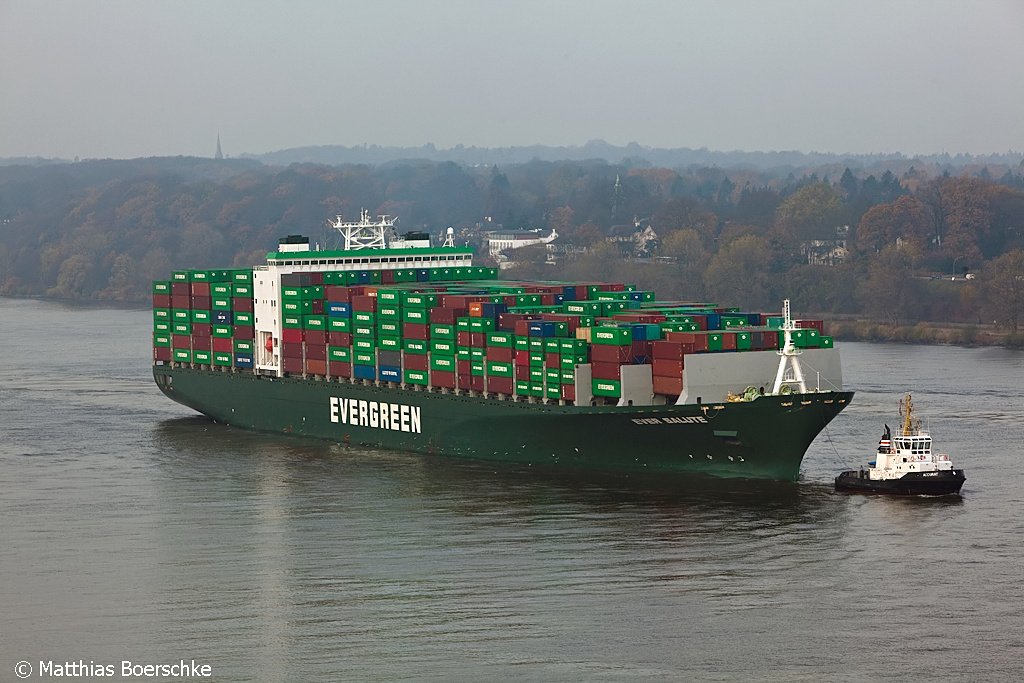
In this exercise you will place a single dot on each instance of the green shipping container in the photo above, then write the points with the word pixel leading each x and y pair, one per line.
pixel 202 357
pixel 162 326
pixel 200 316
pixel 223 331
pixel 161 287
pixel 182 355
pixel 442 332
pixel 417 347
pixel 498 369
pixel 339 324
pixel 292 322
pixel 181 328
pixel 612 336
pixel 416 377
pixel 446 363
pixel 241 290
pixel 442 347
pixel 224 359
pixel 339 353
pixel 389 343
pixel 162 340
pixel 606 387
pixel 243 318
pixel 243 346
pixel 163 314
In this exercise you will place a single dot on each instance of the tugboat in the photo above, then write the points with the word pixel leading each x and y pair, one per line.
pixel 905 464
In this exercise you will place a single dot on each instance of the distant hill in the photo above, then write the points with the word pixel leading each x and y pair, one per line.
pixel 632 155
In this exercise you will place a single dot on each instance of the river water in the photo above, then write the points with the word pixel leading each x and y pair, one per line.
pixel 135 530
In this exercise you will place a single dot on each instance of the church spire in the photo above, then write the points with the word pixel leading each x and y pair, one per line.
pixel 219 154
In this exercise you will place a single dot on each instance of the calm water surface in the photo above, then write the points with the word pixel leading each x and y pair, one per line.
pixel 135 530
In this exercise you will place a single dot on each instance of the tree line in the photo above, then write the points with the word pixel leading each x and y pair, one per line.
pixel 899 239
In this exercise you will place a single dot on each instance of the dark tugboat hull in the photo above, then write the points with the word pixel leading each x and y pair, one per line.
pixel 943 483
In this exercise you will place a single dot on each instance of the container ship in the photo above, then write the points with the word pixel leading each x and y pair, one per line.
pixel 390 342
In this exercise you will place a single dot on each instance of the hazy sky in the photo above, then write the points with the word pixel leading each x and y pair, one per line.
pixel 104 78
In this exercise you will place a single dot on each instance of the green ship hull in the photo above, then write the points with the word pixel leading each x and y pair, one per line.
pixel 761 439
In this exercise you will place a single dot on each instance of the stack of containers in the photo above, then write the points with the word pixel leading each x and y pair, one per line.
pixel 338 309
pixel 504 338
pixel 201 320
pixel 364 336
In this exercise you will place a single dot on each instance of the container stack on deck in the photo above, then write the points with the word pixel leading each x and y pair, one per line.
pixel 456 329
pixel 204 318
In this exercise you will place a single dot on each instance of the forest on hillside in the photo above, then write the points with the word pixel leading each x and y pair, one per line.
pixel 898 242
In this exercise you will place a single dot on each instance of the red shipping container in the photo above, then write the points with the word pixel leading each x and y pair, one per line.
pixel 500 385
pixel 728 341
pixel 244 332
pixel 668 386
pixel 460 301
pixel 292 365
pixel 337 368
pixel 316 306
pixel 476 383
pixel 364 303
pixel 181 341
pixel 316 352
pixel 202 329
pixel 316 367
pixel 337 293
pixel 387 277
pixel 667 368
pixel 521 357
pixel 199 289
pixel 161 301
pixel 462 367
pixel 522 328
pixel 605 353
pixel 446 316
pixel 242 303
pixel 223 344
pixel 606 370
pixel 162 353
pixel 668 350
pixel 182 301
pixel 416 362
pixel 647 318
pixel 290 350
pixel 569 392
pixel 523 373
pixel 477 339
pixel 337 338
pixel 641 350
pixel 505 354
pixel 180 289
pixel 462 338
pixel 416 331
pixel 315 337
pixel 442 378
pixel 200 303
pixel 316 278
pixel 291 335
pixel 818 325
pixel 507 321
pixel 201 343
pixel 552 360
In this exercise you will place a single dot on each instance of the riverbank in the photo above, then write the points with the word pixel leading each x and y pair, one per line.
pixel 958 334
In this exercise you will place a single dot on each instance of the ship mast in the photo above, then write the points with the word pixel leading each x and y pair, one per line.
pixel 366 233
pixel 790 373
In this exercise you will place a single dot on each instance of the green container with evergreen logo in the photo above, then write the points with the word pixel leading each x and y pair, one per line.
pixel 612 336
pixel 182 328
pixel 202 357
pixel 339 324
pixel 182 355
pixel 606 387
pixel 223 359
pixel 363 358
pixel 243 346
pixel 363 345
pixel 416 377
pixel 161 287
pixel 162 340
pixel 500 369
pixel 162 326
pixel 339 353
pixel 445 363
pixel 389 343
pixel 442 347
pixel 243 318
pixel 200 316
pixel 292 322
pixel 163 314
pixel 442 332
pixel 180 315
pixel 223 331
